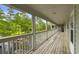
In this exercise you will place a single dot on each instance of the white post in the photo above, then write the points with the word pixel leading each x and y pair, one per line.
pixel 46 30
pixel 3 48
pixel 34 38
pixel 46 25
pixel 74 27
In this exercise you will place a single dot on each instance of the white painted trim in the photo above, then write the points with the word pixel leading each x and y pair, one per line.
pixel 33 39
pixel 71 19
pixel 71 48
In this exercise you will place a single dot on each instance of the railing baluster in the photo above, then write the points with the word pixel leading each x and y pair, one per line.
pixel 27 44
pixel 3 48
pixel 12 46
pixel 19 47
pixel 30 42
pixel 9 47
pixel 16 47
pixel 23 46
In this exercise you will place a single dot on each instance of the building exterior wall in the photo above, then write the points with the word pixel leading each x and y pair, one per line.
pixel 77 28
pixel 68 31
pixel 74 17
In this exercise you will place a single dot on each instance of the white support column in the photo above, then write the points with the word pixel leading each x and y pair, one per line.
pixel 51 26
pixel 74 27
pixel 46 30
pixel 46 25
pixel 34 38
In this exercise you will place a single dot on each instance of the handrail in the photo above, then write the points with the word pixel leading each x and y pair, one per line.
pixel 4 39
pixel 43 31
pixel 13 37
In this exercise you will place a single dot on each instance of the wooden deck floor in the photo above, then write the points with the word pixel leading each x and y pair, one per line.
pixel 55 45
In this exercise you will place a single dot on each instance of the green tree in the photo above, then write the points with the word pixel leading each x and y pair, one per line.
pixel 40 25
pixel 17 24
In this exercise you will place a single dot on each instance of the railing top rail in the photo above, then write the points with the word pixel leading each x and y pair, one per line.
pixel 43 31
pixel 4 39
pixel 40 32
pixel 14 37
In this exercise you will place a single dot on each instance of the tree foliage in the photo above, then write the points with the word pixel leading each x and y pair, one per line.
pixel 17 24
pixel 40 25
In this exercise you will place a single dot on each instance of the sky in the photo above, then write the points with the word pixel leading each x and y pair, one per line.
pixel 5 9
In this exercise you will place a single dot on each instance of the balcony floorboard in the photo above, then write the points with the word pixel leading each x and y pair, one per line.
pixel 55 45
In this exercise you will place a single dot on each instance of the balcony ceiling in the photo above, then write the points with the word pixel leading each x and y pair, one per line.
pixel 57 13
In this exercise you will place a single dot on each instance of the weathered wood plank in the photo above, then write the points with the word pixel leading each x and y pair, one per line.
pixel 55 45
pixel 45 45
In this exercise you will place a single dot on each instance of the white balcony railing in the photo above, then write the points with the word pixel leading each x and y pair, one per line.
pixel 23 43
